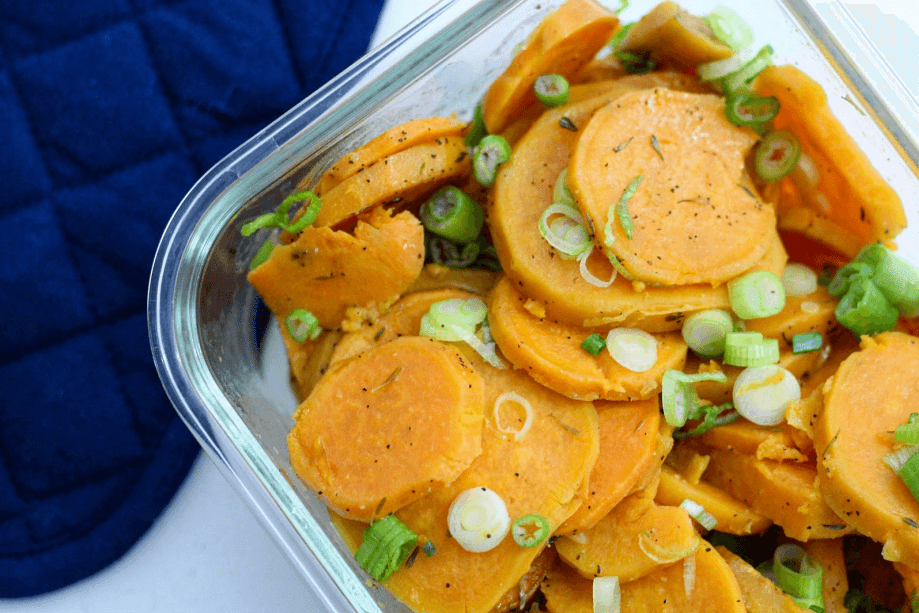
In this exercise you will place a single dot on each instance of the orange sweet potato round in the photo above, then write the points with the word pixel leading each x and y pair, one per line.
pixel 562 43
pixel 611 548
pixel 326 271
pixel 692 192
pixel 852 205
pixel 522 192
pixel 872 393
pixel 396 139
pixel 628 452
pixel 366 441
pixel 670 34
pixel 551 353
pixel 759 593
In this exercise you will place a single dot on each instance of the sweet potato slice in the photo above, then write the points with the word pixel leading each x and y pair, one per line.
pixel 872 393
pixel 734 517
pixel 327 271
pixel 762 442
pixel 812 313
pixel 828 553
pixel 394 140
pixel 715 589
pixel 515 599
pixel 785 492
pixel 522 192
pixel 628 451
pixel 551 353
pixel 474 280
pixel 852 205
pixel 308 360
pixel 406 175
pixel 670 34
pixel 544 472
pixel 611 548
pixel 376 406
pixel 760 595
pixel 691 196
pixel 562 44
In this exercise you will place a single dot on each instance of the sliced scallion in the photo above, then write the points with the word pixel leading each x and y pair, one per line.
pixel 631 348
pixel 621 210
pixel 798 576
pixel 845 275
pixel 386 544
pixel 905 462
pixel 712 417
pixel 705 332
pixel 458 311
pixel 594 344
pixel 746 349
pixel 660 555
pixel 569 237
pixel 477 130
pixel 589 276
pixel 551 90
pixel 865 310
pixel 698 513
pixel 776 155
pixel 262 255
pixel 757 294
pixel 561 194
pixel 281 217
pixel 492 151
pixel 762 394
pixel 302 325
pixel 679 398
pixel 746 109
pixel 895 276
pixel 908 433
pixel 530 530
pixel 619 36
pixel 742 79
pixel 478 519
pixel 730 28
pixel 607 595
pixel 452 214
pixel 714 71
pixel 799 280
pixel 806 342
pixel 450 254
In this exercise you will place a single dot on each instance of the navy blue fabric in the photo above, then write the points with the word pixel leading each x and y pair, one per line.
pixel 109 111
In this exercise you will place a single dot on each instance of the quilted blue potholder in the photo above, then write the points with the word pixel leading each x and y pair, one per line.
pixel 109 111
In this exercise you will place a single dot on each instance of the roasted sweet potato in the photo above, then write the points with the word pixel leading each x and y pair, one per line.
pixel 545 472
pixel 611 548
pixel 762 442
pixel 785 492
pixel 802 314
pixel 851 205
pixel 474 280
pixel 522 192
pixel 684 162
pixel 734 517
pixel 406 175
pixel 714 589
pixel 872 393
pixel 828 553
pixel 308 360
pixel 670 34
pixel 396 139
pixel 327 271
pixel 563 43
pixel 551 353
pixel 760 595
pixel 376 406
pixel 628 451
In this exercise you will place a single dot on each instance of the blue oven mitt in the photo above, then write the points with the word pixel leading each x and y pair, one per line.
pixel 109 111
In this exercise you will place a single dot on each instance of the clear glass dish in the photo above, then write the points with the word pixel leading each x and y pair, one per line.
pixel 210 334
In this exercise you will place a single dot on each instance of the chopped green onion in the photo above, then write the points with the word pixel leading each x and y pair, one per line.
pixel 606 594
pixel 477 131
pixel 458 311
pixel 865 310
pixel 560 192
pixel 386 545
pixel 908 433
pixel 551 89
pixel 895 276
pixel 762 394
pixel 450 254
pixel 705 332
pixel 619 36
pixel 798 576
pixel 635 63
pixel 660 555
pixel 443 331
pixel 594 344
pixel 262 255
pixel 589 276
pixel 905 462
pixel 679 398
pixel 281 219
pixel 712 417
pixel 492 151
pixel 631 348
pixel 302 325
pixel 478 519
pixel 621 211
pixel 777 155
pixel 845 275
pixel 744 77
pixel 748 349
pixel 757 294
pixel 530 530
pixel 452 214
pixel 623 4
pixel 714 71
pixel 570 237
pixel 807 342
pixel 698 513
pixel 729 28
pixel 746 109
pixel 799 280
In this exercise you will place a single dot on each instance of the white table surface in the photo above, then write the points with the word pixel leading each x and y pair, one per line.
pixel 207 553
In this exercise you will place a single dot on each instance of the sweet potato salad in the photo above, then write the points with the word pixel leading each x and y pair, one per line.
pixel 634 338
